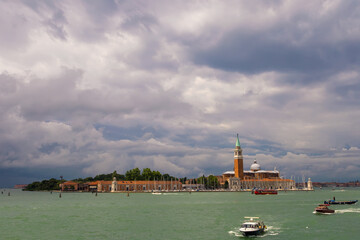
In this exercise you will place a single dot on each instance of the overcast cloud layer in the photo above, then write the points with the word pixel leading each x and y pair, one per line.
pixel 89 87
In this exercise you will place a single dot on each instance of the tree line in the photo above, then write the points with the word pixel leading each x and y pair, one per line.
pixel 209 182
pixel 45 185
pixel 130 175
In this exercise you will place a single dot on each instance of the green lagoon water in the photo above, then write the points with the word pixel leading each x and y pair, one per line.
pixel 200 215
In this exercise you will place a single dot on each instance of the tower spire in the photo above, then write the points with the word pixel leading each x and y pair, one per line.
pixel 237 141
pixel 238 160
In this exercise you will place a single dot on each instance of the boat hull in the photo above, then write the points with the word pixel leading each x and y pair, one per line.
pixel 332 202
pixel 252 232
pixel 325 211
pixel 265 192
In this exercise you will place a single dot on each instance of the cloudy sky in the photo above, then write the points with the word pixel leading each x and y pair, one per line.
pixel 89 87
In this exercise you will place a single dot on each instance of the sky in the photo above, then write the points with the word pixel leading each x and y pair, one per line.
pixel 89 87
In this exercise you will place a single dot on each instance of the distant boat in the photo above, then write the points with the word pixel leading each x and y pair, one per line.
pixel 252 227
pixel 265 191
pixel 333 202
pixel 157 193
pixel 322 208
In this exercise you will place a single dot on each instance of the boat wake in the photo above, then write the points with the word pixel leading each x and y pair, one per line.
pixel 339 190
pixel 349 210
pixel 319 213
pixel 270 231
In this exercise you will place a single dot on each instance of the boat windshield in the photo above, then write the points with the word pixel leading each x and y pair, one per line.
pixel 247 225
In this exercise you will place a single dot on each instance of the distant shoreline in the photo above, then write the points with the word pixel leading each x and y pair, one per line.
pixel 184 191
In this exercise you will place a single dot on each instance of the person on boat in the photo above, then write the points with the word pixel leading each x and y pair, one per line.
pixel 334 198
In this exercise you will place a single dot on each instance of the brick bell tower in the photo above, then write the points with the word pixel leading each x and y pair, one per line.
pixel 238 160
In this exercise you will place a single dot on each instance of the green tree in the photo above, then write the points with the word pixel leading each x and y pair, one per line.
pixel 212 181
pixel 202 180
pixel 183 180
pixel 133 174
pixel 166 177
pixel 147 174
pixel 157 175
pixel 45 185
pixel 89 179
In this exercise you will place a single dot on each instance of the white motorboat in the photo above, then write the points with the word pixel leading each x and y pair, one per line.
pixel 252 226
pixel 157 193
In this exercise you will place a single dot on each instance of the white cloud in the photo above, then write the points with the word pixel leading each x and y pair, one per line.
pixel 119 85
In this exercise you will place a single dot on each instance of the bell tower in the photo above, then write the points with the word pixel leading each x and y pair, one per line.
pixel 238 160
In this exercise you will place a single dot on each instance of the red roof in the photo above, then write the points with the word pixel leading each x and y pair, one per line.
pixel 70 183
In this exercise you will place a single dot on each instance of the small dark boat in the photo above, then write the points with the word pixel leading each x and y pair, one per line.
pixel 265 191
pixel 322 208
pixel 333 202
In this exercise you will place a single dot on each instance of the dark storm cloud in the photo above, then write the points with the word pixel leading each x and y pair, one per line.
pixel 97 86
pixel 89 24
pixel 303 40
pixel 254 53
pixel 11 176
pixel 132 133
pixel 56 25
pixel 94 22
pixel 57 98
pixel 52 17
pixel 345 94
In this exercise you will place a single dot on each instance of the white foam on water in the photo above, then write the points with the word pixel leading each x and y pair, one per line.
pixel 272 231
pixel 341 190
pixel 349 210
pixel 235 233
pixel 318 213
pixel 269 231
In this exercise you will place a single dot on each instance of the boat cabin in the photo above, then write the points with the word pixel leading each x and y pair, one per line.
pixel 250 225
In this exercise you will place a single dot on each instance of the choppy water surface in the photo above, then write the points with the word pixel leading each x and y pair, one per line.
pixel 218 215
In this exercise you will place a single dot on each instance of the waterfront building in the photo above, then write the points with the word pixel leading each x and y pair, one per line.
pixel 74 186
pixel 122 186
pixel 20 186
pixel 188 187
pixel 255 177
pixel 137 186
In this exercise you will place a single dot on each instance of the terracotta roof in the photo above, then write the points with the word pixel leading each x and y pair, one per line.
pixel 269 180
pixel 70 183
pixel 93 183
pixel 134 182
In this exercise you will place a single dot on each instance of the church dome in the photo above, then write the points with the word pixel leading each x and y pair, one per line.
pixel 255 167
